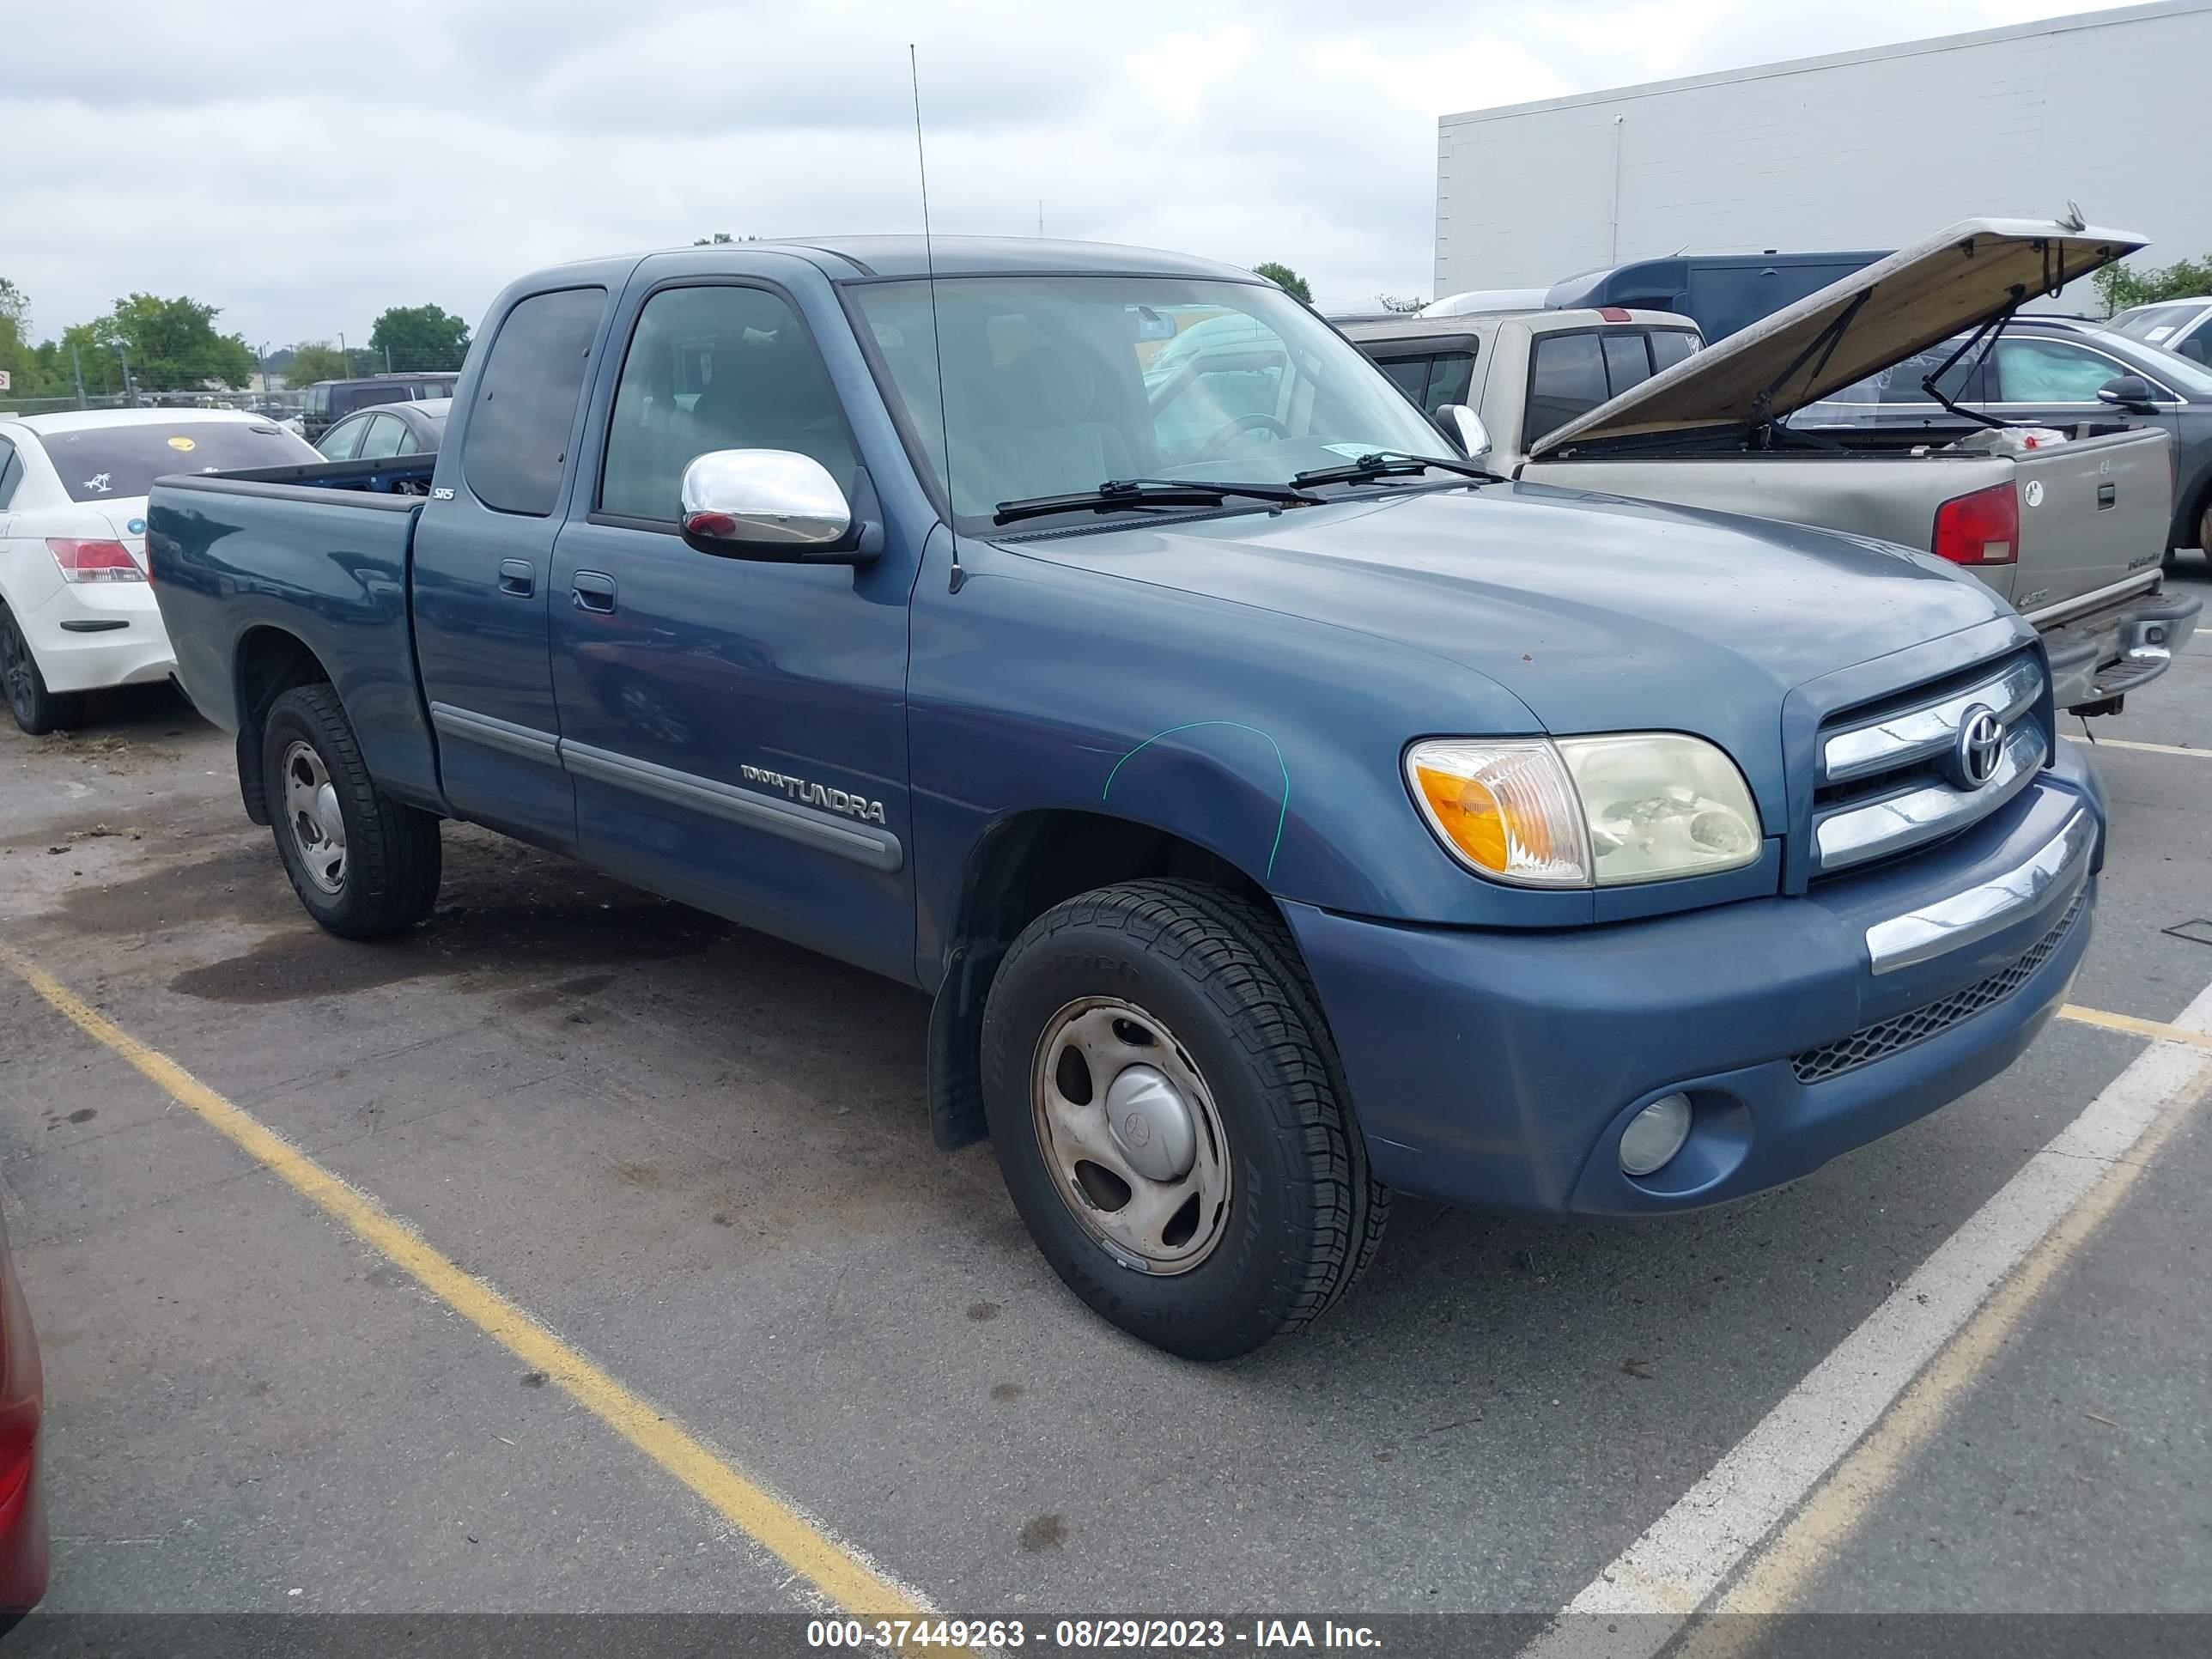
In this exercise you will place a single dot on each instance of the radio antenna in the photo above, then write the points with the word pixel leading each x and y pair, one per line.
pixel 936 344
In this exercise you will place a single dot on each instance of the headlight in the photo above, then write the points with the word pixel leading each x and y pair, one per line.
pixel 1638 806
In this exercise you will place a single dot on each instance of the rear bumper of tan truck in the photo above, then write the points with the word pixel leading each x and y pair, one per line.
pixel 2103 647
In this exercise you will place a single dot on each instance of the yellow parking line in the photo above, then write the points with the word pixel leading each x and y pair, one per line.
pixel 1831 1516
pixel 2155 1029
pixel 2147 748
pixel 835 1570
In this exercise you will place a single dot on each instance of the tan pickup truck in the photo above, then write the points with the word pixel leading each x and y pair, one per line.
pixel 1628 403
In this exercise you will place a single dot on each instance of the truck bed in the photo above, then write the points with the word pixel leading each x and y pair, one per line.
pixel 320 552
pixel 2093 511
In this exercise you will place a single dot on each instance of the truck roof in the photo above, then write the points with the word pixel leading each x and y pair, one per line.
pixel 1371 331
pixel 1006 255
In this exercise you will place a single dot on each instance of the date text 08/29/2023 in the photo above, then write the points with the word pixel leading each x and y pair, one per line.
pixel 1163 1635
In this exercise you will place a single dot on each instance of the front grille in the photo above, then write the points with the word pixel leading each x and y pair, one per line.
pixel 1886 779
pixel 1886 1037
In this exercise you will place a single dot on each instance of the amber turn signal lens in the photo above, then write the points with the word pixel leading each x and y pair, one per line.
pixel 1507 807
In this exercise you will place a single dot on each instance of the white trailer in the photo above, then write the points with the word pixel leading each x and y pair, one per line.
pixel 1862 149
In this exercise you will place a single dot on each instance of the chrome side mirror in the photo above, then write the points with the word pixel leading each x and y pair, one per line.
pixel 773 504
pixel 1465 427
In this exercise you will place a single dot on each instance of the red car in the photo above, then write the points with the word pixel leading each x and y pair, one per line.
pixel 23 1504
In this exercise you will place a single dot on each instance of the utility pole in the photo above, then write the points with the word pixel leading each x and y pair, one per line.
pixel 77 373
pixel 261 362
pixel 129 396
pixel 346 354
pixel 387 359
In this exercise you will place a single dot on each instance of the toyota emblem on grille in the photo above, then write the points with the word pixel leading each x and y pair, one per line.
pixel 1980 747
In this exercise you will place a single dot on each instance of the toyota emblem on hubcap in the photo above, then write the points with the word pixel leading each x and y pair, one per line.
pixel 1980 747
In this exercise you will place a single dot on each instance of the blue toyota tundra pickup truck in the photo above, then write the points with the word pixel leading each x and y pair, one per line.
pixel 1281 810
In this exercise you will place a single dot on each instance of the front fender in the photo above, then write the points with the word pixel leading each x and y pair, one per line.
pixel 1272 742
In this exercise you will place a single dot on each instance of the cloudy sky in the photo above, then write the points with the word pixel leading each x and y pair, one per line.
pixel 305 165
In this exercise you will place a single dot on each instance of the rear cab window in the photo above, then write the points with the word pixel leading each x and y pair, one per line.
pixel 1566 380
pixel 1571 374
pixel 109 463
pixel 517 448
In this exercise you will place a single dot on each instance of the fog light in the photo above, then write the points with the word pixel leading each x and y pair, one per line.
pixel 1655 1134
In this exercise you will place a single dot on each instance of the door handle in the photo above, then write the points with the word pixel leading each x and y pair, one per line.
pixel 518 577
pixel 2107 495
pixel 591 591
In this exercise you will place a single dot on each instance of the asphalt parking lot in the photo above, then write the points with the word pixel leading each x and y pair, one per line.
pixel 717 1310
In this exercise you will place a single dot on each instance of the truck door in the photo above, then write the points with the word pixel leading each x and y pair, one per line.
pixel 483 568
pixel 736 730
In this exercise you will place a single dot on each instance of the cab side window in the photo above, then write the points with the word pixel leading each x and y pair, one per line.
pixel 11 472
pixel 517 446
pixel 1431 380
pixel 715 367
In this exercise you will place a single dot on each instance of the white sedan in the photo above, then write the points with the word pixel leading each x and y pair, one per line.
pixel 76 612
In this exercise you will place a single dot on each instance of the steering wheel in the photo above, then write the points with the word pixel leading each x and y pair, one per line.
pixel 1256 421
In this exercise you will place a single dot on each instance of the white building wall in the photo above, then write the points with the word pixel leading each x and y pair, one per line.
pixel 1867 149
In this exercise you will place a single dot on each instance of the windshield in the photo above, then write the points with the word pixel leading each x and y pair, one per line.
pixel 1055 384
pixel 2158 325
pixel 111 463
pixel 2183 374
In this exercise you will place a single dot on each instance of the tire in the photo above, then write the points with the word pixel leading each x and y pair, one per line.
pixel 36 709
pixel 385 874
pixel 1284 1216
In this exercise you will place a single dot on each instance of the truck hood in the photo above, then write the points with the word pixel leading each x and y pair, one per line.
pixel 1954 281
pixel 1596 613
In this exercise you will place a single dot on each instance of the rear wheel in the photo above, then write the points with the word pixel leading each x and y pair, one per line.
pixel 36 709
pixel 363 864
pixel 1170 1115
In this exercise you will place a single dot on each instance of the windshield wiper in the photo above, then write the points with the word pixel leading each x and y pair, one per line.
pixel 1391 464
pixel 1118 493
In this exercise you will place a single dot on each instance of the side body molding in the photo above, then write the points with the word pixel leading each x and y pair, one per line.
pixel 825 831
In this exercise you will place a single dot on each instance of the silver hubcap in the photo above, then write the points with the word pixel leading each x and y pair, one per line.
pixel 311 807
pixel 1130 1132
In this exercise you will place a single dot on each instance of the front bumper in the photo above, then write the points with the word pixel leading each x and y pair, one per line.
pixel 1498 1069
pixel 2111 653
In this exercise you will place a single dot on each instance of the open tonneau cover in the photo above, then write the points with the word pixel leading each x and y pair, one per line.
pixel 1872 319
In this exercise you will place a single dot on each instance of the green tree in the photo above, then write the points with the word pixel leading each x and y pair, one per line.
pixel 15 354
pixel 313 361
pixel 1284 278
pixel 415 340
pixel 32 371
pixel 171 345
pixel 2120 286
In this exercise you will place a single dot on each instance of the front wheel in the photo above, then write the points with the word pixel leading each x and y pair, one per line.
pixel 1169 1116
pixel 363 864
pixel 36 709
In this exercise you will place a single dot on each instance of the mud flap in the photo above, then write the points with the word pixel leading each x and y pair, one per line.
pixel 956 1041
